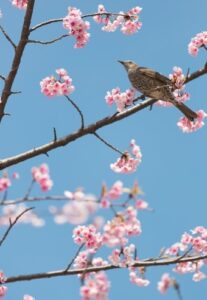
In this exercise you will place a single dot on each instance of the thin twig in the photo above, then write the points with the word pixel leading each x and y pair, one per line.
pixel 45 23
pixel 78 110
pixel 72 261
pixel 49 42
pixel 12 223
pixel 2 77
pixel 107 144
pixel 8 37
pixel 29 190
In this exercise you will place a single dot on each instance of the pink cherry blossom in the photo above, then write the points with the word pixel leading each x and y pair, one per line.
pixel 3 290
pixel 2 277
pixel 21 4
pixel 50 86
pixel 164 284
pixel 28 297
pixel 74 23
pixel 188 126
pixel 96 287
pixel 139 281
pixel 123 258
pixel 127 21
pixel 126 163
pixel 5 183
pixel 88 236
pixel 178 80
pixel 125 224
pixel 198 276
pixel 141 204
pixel 198 41
pixel 122 100
pixel 41 175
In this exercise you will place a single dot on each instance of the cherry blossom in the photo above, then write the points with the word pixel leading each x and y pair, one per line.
pixel 164 284
pixel 41 175
pixel 188 126
pixel 96 287
pixel 50 86
pixel 138 280
pixel 125 224
pixel 88 236
pixel 126 163
pixel 5 183
pixel 74 23
pixel 21 4
pixel 198 276
pixel 3 290
pixel 178 80
pixel 123 258
pixel 28 297
pixel 122 100
pixel 141 204
pixel 128 22
pixel 198 41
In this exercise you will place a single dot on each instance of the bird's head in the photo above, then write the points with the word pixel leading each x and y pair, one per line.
pixel 128 64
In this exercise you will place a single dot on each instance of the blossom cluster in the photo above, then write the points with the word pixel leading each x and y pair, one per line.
pixel 178 79
pixel 74 23
pixel 96 286
pixel 196 244
pixel 164 284
pixel 188 126
pixel 198 41
pixel 3 288
pixel 88 236
pixel 77 210
pixel 125 224
pixel 21 4
pixel 128 163
pixel 121 99
pixel 127 21
pixel 50 86
pixel 41 175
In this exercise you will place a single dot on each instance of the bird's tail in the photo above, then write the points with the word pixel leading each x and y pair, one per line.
pixel 189 113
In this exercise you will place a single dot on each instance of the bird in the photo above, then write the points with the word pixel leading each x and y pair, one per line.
pixel 155 85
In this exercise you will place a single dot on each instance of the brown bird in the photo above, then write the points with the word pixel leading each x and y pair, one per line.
pixel 155 85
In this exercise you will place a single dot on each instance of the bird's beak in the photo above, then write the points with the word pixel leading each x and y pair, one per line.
pixel 121 62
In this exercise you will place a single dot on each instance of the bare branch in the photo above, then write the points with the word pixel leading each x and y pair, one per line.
pixel 17 57
pixel 72 261
pixel 197 74
pixel 72 137
pixel 7 37
pixel 107 144
pixel 77 109
pixel 144 263
pixel 12 223
pixel 49 42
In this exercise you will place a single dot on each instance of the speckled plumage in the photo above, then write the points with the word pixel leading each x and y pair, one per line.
pixel 154 85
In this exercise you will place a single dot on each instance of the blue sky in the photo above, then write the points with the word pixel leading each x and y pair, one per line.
pixel 173 170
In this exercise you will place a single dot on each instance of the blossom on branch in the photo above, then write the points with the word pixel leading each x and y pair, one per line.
pixel 164 284
pixel 21 4
pixel 190 126
pixel 96 287
pixel 198 41
pixel 41 175
pixel 74 23
pixel 88 236
pixel 50 86
pixel 126 163
pixel 128 21
pixel 122 100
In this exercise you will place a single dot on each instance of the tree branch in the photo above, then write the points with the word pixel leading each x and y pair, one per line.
pixel 49 42
pixel 7 37
pixel 17 58
pixel 12 223
pixel 144 263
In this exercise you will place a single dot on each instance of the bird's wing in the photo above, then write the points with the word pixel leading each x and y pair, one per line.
pixel 153 74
